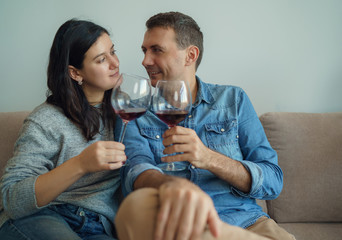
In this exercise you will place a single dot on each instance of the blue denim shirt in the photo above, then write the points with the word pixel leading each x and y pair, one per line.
pixel 224 119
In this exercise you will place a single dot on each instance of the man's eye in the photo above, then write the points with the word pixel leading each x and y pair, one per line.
pixel 113 52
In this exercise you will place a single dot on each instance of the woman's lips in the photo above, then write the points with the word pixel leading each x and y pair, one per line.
pixel 115 74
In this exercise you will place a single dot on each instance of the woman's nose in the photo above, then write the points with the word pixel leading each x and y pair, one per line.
pixel 114 62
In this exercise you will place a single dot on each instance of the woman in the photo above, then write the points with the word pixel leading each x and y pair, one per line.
pixel 62 180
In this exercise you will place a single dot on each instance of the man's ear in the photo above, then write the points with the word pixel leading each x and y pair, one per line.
pixel 74 73
pixel 192 55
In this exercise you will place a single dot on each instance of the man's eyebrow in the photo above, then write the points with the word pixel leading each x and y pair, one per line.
pixel 153 46
pixel 98 55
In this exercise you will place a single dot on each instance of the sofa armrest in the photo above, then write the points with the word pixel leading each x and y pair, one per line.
pixel 10 124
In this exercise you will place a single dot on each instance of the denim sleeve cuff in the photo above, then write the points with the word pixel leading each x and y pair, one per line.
pixel 134 172
pixel 257 179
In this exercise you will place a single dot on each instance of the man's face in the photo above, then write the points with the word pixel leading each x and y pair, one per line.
pixel 163 59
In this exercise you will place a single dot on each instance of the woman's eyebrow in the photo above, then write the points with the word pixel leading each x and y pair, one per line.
pixel 100 54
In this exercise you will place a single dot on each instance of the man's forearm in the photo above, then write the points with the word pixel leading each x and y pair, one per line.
pixel 231 171
pixel 151 178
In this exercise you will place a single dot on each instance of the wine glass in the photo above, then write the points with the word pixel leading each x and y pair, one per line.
pixel 130 98
pixel 171 102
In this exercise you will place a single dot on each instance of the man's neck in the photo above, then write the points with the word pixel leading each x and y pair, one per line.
pixel 193 87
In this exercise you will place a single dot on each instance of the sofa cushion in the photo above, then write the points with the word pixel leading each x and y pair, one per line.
pixel 314 231
pixel 309 147
pixel 10 124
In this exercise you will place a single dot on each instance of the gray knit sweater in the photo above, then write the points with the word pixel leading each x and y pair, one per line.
pixel 48 139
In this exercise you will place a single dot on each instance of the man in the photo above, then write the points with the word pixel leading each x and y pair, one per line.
pixel 230 163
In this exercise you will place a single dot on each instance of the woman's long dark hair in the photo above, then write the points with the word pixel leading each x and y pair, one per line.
pixel 72 41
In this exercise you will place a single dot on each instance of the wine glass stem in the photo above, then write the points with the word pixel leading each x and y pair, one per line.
pixel 170 165
pixel 123 132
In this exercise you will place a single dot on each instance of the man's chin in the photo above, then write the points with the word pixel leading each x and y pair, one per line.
pixel 154 79
pixel 154 82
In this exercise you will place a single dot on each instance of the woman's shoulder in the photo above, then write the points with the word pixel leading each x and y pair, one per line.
pixel 47 114
pixel 46 111
pixel 49 120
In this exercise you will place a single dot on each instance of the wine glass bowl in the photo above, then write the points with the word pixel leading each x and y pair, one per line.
pixel 171 102
pixel 172 117
pixel 130 98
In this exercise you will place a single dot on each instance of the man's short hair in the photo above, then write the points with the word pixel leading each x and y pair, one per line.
pixel 186 29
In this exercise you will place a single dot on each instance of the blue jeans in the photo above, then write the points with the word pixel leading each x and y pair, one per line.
pixel 58 222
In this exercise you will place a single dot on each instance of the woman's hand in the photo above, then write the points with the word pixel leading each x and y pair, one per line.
pixel 102 155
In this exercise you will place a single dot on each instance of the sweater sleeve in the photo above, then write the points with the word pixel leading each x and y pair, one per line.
pixel 34 154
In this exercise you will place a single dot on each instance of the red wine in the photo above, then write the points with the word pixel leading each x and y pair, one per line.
pixel 172 118
pixel 130 114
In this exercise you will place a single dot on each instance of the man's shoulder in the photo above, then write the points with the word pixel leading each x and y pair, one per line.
pixel 221 96
pixel 220 91
pixel 223 87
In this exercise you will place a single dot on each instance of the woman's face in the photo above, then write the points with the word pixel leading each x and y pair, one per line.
pixel 100 69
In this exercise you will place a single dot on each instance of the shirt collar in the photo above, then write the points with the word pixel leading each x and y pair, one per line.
pixel 203 93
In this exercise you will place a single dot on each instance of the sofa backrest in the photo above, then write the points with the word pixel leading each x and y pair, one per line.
pixel 10 124
pixel 309 147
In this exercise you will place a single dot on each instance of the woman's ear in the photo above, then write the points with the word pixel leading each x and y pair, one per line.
pixel 192 55
pixel 75 74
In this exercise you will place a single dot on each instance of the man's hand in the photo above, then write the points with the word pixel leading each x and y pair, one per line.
pixel 180 139
pixel 185 211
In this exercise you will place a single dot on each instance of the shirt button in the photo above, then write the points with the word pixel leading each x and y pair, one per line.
pixel 190 116
pixel 82 213
pixel 222 130
pixel 237 136
pixel 193 167
pixel 157 136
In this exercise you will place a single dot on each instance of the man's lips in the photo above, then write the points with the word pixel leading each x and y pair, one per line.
pixel 153 73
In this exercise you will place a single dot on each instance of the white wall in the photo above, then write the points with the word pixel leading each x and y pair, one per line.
pixel 287 55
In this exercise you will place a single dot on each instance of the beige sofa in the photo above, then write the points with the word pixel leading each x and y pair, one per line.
pixel 309 147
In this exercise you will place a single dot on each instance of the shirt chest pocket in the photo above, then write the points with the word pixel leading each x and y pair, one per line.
pixel 223 137
pixel 154 138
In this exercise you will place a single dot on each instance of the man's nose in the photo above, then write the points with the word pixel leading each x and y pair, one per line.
pixel 148 60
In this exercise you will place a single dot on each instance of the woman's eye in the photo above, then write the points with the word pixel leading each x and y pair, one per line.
pixel 102 60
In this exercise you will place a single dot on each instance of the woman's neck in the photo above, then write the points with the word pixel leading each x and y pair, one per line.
pixel 94 98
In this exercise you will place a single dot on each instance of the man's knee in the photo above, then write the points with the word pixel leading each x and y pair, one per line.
pixel 137 213
pixel 139 200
